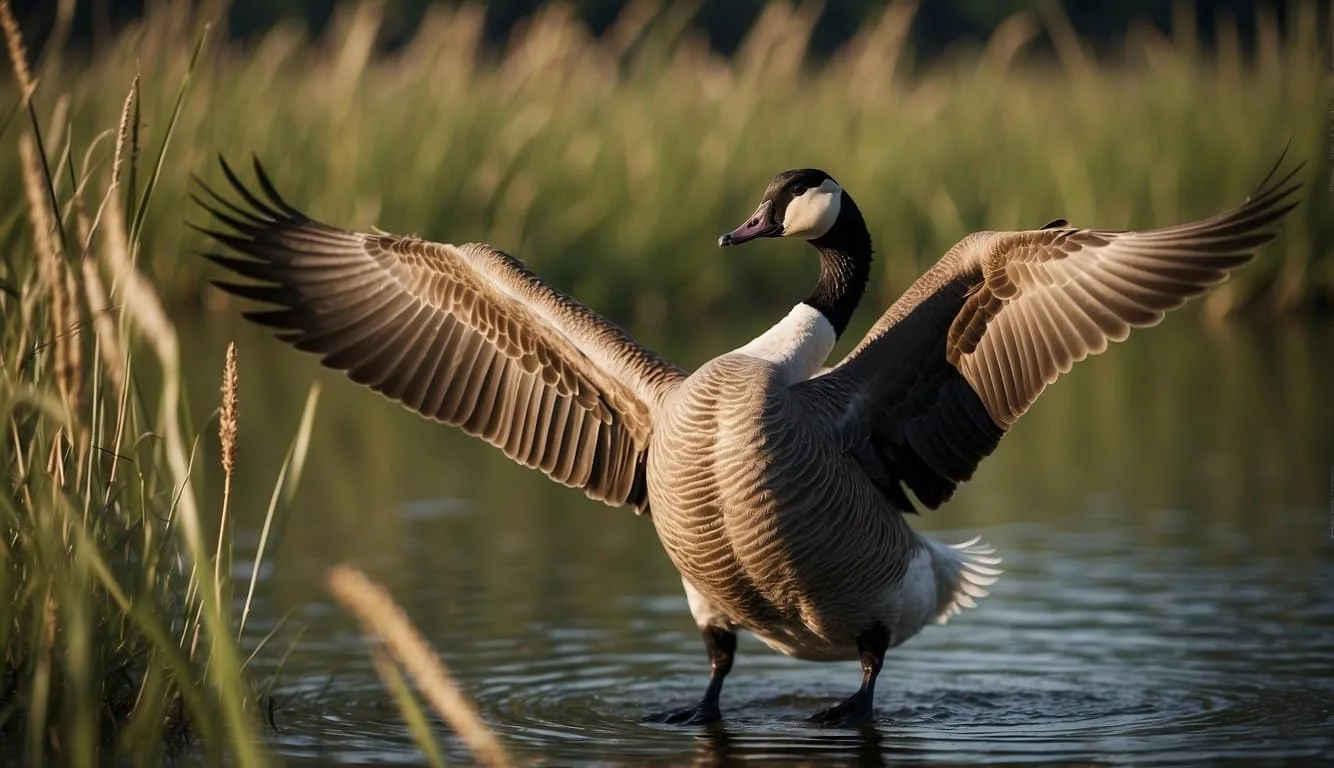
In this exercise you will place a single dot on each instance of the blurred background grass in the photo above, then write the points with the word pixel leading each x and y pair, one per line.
pixel 611 162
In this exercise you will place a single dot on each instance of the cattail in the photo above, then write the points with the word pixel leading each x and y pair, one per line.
pixel 382 618
pixel 18 55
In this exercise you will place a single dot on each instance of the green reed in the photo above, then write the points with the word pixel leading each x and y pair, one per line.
pixel 611 163
pixel 116 632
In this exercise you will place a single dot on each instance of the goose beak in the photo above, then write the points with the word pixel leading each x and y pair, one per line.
pixel 760 224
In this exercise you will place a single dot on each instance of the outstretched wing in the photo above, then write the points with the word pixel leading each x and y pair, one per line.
pixel 969 347
pixel 465 335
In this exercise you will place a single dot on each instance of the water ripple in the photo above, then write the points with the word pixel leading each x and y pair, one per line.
pixel 1088 652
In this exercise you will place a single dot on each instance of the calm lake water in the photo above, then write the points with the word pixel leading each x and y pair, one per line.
pixel 1165 514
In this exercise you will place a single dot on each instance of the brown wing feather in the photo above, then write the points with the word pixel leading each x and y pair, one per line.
pixel 464 335
pixel 969 347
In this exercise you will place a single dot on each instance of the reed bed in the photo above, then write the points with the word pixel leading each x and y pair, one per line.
pixel 610 163
pixel 117 641
pixel 121 633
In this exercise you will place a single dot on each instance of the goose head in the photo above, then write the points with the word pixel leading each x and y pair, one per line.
pixel 806 203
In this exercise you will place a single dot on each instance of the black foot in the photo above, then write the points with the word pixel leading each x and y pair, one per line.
pixel 700 714
pixel 853 711
pixel 721 644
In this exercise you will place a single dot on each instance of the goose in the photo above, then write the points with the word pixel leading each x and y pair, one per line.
pixel 779 489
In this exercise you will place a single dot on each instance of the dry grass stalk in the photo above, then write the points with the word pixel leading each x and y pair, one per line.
pixel 59 133
pixel 21 462
pixel 136 119
pixel 27 310
pixel 630 24
pixel 227 421
pixel 108 342
pixel 227 431
pixel 65 337
pixel 43 222
pixel 52 276
pixel 1069 50
pixel 73 321
pixel 141 304
pixel 123 133
pixel 382 618
pixel 140 299
pixel 18 55
pixel 83 225
pixel 447 43
pixel 873 57
pixel 70 342
pixel 358 29
pixel 55 464
pixel 124 137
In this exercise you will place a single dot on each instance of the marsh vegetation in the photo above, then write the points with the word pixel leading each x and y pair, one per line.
pixel 138 547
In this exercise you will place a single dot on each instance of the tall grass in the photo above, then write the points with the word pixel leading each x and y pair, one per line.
pixel 118 640
pixel 610 163
pixel 116 637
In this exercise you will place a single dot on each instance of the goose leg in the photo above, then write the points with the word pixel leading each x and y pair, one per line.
pixel 721 645
pixel 857 708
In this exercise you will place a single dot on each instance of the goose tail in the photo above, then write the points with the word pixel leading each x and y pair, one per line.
pixel 963 572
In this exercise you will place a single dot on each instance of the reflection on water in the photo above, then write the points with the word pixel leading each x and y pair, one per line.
pixel 1164 514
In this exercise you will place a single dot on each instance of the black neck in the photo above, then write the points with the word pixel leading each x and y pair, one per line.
pixel 845 266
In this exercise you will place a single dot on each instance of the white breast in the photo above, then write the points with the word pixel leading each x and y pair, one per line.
pixel 798 344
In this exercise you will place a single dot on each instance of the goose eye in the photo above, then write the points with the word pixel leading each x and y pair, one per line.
pixel 798 190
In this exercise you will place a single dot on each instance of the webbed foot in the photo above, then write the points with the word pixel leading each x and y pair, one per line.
pixel 857 708
pixel 721 645
pixel 852 711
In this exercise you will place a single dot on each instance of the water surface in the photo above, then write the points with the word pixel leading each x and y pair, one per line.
pixel 1165 516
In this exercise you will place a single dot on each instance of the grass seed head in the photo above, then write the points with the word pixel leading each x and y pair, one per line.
pixel 227 421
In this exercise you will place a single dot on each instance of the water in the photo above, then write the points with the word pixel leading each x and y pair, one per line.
pixel 1164 513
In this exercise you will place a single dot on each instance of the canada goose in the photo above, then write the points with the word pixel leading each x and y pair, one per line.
pixel 779 495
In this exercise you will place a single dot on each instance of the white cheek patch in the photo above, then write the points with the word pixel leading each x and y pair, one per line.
pixel 811 215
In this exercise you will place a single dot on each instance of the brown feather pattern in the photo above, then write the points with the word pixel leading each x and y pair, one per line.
pixel 465 335
pixel 804 557
pixel 969 347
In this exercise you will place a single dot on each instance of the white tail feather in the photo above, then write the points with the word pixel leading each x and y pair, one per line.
pixel 963 572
